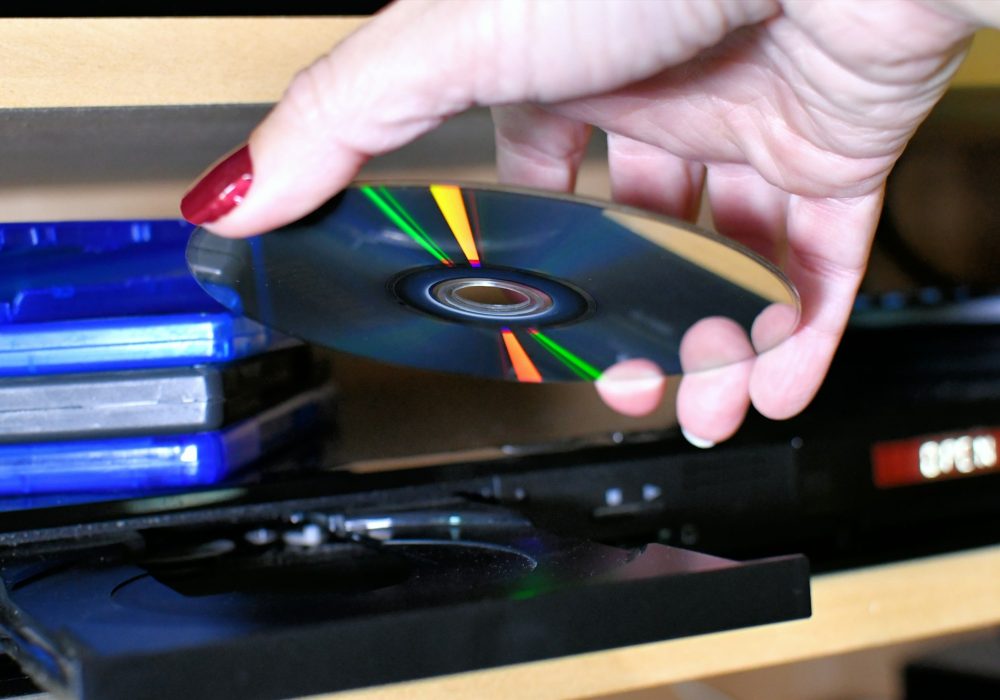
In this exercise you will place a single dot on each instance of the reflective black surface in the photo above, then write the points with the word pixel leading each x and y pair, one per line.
pixel 313 601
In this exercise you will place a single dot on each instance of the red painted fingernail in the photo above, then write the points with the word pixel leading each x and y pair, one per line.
pixel 218 192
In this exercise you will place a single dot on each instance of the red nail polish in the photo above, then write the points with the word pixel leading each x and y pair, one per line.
pixel 220 190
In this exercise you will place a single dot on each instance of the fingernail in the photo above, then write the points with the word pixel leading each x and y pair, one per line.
pixel 701 443
pixel 219 191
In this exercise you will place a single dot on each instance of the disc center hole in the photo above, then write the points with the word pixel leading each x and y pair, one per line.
pixel 488 298
pixel 492 296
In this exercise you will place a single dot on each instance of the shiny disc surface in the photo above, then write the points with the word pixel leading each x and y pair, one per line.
pixel 501 283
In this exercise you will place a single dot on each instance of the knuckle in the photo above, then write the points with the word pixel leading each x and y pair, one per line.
pixel 307 96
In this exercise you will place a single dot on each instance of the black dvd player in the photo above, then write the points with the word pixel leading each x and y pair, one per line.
pixel 311 558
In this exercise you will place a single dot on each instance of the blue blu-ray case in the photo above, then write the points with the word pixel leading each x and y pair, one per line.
pixel 75 238
pixel 157 463
pixel 131 342
pixel 91 269
pixel 85 296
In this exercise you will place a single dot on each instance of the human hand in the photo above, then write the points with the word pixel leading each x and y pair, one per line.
pixel 789 114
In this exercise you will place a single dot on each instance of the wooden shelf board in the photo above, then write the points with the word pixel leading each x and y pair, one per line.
pixel 59 62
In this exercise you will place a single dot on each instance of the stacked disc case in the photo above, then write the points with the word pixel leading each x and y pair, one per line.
pixel 119 374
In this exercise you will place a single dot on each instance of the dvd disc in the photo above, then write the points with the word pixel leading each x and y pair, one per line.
pixel 501 283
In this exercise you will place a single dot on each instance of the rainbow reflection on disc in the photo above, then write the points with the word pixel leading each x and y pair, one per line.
pixel 499 283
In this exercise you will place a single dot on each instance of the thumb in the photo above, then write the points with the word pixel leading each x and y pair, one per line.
pixel 364 98
pixel 417 63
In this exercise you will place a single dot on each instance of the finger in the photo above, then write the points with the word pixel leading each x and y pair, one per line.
pixel 417 63
pixel 748 209
pixel 713 396
pixel 773 325
pixel 536 148
pixel 651 178
pixel 335 115
pixel 632 387
pixel 712 404
pixel 828 245
pixel 714 341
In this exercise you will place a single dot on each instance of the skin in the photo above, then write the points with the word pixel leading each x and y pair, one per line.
pixel 788 115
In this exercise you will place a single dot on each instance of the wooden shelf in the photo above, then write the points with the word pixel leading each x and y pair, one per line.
pixel 852 611
pixel 116 62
